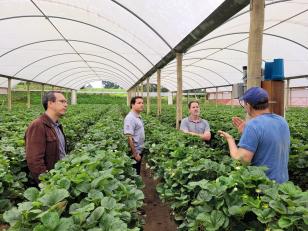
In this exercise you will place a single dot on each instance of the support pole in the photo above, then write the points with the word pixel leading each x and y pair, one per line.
pixel 74 97
pixel 42 92
pixel 9 94
pixel 129 97
pixel 255 43
pixel 158 92
pixel 216 96
pixel 28 95
pixel 286 94
pixel 141 89
pixel 53 88
pixel 179 105
pixel 148 96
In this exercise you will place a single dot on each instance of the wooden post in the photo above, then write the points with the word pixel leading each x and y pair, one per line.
pixel 205 96
pixel 286 94
pixel 255 43
pixel 158 92
pixel 179 104
pixel 141 89
pixel 216 96
pixel 148 96
pixel 9 94
pixel 42 92
pixel 129 97
pixel 275 90
pixel 74 97
pixel 28 95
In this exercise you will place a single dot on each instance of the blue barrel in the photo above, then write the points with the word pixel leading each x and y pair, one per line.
pixel 278 70
pixel 268 70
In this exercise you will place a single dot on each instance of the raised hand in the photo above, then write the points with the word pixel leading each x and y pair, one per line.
pixel 238 123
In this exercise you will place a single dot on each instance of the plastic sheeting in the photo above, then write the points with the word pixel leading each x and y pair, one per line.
pixel 71 43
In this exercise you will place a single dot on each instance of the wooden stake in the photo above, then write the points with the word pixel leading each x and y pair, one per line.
pixel 9 94
pixel 148 96
pixel 158 92
pixel 255 43
pixel 28 95
pixel 179 93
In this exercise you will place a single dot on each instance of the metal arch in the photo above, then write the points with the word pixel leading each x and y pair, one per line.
pixel 98 79
pixel 112 77
pixel 183 78
pixel 90 80
pixel 81 72
pixel 220 49
pixel 50 56
pixel 108 69
pixel 168 80
pixel 236 33
pixel 144 22
pixel 74 61
pixel 74 68
pixel 247 11
pixel 171 83
pixel 73 40
pixel 98 72
pixel 87 24
pixel 219 61
pixel 210 60
pixel 191 65
pixel 191 72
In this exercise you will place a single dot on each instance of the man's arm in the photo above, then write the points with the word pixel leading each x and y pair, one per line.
pixel 35 150
pixel 236 153
pixel 135 154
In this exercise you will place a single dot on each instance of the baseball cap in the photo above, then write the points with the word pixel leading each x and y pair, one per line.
pixel 255 96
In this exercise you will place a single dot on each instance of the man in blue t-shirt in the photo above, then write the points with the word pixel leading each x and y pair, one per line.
pixel 265 139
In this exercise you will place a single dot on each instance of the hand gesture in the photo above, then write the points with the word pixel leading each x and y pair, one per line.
pixel 225 135
pixel 238 123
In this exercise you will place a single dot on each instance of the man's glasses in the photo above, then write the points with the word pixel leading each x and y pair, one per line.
pixel 242 103
pixel 63 101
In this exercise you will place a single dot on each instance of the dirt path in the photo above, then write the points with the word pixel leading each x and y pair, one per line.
pixel 157 213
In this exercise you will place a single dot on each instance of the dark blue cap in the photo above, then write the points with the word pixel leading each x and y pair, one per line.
pixel 255 96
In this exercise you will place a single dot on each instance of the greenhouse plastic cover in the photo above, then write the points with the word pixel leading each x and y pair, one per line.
pixel 71 43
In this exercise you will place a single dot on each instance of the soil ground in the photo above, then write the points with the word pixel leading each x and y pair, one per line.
pixel 158 216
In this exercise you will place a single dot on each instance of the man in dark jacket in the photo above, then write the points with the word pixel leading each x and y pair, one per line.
pixel 44 138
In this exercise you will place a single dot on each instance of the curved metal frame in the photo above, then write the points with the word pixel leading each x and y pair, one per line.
pixel 51 56
pixel 71 40
pixel 84 23
pixel 103 77
pixel 210 70
pixel 98 73
pixel 90 80
pixel 63 78
pixel 144 22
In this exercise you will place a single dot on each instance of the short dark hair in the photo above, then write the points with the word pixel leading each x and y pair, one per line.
pixel 260 106
pixel 193 101
pixel 134 99
pixel 49 96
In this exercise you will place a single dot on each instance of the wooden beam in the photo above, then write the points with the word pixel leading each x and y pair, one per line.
pixel 179 93
pixel 42 92
pixel 9 94
pixel 286 94
pixel 255 43
pixel 28 95
pixel 148 96
pixel 158 92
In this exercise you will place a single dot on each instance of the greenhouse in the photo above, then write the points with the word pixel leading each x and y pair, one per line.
pixel 199 121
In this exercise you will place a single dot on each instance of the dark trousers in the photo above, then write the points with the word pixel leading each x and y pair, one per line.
pixel 137 165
